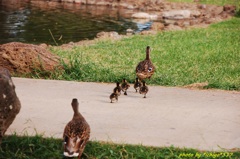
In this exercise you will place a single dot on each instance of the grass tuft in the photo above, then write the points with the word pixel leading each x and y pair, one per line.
pixel 37 147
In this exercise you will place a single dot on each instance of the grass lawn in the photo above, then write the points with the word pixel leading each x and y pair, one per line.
pixel 181 57
pixel 38 147
pixel 215 2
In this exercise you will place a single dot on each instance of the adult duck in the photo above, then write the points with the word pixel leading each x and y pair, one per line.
pixel 145 69
pixel 76 133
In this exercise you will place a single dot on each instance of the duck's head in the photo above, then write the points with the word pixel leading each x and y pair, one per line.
pixel 75 104
pixel 117 83
pixel 148 52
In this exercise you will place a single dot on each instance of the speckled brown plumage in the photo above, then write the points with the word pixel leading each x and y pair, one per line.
pixel 114 95
pixel 9 103
pixel 76 133
pixel 137 84
pixel 143 89
pixel 125 86
pixel 117 89
pixel 145 69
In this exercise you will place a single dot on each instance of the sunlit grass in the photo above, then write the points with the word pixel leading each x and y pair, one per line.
pixel 215 2
pixel 37 147
pixel 181 57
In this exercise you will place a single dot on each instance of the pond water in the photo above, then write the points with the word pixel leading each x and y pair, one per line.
pixel 43 22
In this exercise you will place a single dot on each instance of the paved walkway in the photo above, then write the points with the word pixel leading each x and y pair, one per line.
pixel 201 119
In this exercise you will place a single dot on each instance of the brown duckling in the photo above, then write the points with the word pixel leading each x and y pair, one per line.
pixel 114 95
pixel 118 88
pixel 145 69
pixel 137 84
pixel 125 86
pixel 76 133
pixel 143 89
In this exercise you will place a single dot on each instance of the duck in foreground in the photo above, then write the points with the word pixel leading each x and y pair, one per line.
pixel 125 86
pixel 114 95
pixel 76 133
pixel 143 89
pixel 137 84
pixel 145 69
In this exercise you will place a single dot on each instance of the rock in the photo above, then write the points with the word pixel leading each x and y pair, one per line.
pixel 108 35
pixel 177 14
pixel 23 58
pixel 43 45
pixel 179 23
pixel 127 5
pixel 230 9
pixel 91 2
pixel 194 22
pixel 9 102
pixel 195 13
pixel 186 23
pixel 156 26
pixel 173 27
pixel 217 10
pixel 78 1
pixel 213 20
pixel 103 3
pixel 148 32
pixel 202 6
pixel 69 1
pixel 130 31
pixel 143 15
pixel 169 21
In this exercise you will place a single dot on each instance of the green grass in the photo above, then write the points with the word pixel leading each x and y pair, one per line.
pixel 181 57
pixel 215 2
pixel 37 147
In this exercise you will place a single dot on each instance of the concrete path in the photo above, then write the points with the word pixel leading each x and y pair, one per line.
pixel 201 119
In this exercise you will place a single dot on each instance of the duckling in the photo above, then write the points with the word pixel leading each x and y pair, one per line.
pixel 118 88
pixel 125 86
pixel 137 84
pixel 114 95
pixel 143 89
pixel 76 133
pixel 145 69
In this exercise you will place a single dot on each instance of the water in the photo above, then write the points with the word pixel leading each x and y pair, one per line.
pixel 43 22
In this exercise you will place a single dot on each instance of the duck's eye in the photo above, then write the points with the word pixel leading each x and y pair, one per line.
pixel 149 69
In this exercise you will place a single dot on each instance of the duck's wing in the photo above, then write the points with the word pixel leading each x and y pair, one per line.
pixel 76 134
pixel 145 69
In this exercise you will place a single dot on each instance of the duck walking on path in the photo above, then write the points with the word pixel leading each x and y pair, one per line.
pixel 125 86
pixel 137 84
pixel 145 69
pixel 114 95
pixel 144 89
pixel 117 89
pixel 76 133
